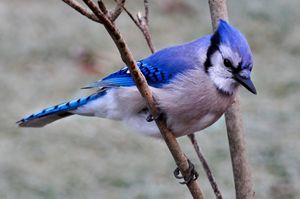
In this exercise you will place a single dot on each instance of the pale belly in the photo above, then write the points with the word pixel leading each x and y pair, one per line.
pixel 178 127
pixel 181 129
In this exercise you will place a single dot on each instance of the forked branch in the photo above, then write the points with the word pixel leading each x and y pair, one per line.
pixel 82 10
pixel 117 11
pixel 142 22
pixel 112 15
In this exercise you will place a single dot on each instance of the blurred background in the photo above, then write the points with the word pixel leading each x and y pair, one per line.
pixel 48 51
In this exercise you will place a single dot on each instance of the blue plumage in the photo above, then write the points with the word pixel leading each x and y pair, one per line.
pixel 160 68
pixel 155 76
pixel 231 37
pixel 193 84
pixel 62 108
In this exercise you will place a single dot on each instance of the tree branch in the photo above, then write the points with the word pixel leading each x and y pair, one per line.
pixel 102 7
pixel 78 7
pixel 112 14
pixel 234 124
pixel 117 11
pixel 205 166
pixel 146 5
pixel 145 91
pixel 237 145
pixel 142 22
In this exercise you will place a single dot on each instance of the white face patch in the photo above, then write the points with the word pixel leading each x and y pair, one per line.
pixel 220 74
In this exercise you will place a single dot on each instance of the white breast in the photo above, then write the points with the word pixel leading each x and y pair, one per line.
pixel 192 103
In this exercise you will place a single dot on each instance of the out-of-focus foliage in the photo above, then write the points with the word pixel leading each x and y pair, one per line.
pixel 48 51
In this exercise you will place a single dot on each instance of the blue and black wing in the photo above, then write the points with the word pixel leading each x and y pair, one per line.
pixel 159 68
pixel 154 75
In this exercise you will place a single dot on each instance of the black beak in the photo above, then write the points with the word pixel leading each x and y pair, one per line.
pixel 246 82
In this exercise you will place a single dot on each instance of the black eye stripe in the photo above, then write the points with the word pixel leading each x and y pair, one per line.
pixel 227 62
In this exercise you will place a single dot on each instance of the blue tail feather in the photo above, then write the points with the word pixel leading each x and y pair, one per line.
pixel 56 112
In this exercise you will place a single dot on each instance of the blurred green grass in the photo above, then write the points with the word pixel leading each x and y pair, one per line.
pixel 97 158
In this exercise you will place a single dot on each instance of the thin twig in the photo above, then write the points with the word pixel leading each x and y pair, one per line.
pixel 142 22
pixel 205 166
pixel 146 5
pixel 112 14
pixel 145 91
pixel 117 11
pixel 132 17
pixel 77 6
pixel 234 124
pixel 102 7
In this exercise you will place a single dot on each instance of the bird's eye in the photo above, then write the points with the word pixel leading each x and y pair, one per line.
pixel 227 63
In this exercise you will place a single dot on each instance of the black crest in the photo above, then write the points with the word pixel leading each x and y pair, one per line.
pixel 214 46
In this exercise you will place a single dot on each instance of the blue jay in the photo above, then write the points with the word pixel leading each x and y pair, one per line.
pixel 193 85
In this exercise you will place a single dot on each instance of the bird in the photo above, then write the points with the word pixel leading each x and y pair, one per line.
pixel 193 85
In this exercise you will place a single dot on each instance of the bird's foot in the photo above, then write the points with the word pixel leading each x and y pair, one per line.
pixel 150 117
pixel 192 174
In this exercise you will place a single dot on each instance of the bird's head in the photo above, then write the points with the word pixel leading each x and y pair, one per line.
pixel 229 60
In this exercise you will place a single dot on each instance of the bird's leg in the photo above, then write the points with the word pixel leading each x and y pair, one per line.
pixel 192 174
